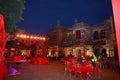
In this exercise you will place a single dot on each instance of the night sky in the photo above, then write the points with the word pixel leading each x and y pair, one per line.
pixel 40 14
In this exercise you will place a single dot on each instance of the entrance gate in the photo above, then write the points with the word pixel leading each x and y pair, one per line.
pixel 36 45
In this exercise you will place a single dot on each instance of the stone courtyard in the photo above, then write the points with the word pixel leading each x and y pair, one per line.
pixel 54 71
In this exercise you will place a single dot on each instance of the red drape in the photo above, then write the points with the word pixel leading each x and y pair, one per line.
pixel 116 13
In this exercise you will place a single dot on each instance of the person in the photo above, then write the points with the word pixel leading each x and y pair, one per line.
pixel 6 53
pixel 32 53
pixel 27 56
pixel 80 58
pixel 70 55
pixel 52 56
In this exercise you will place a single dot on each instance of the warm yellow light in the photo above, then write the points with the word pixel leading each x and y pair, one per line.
pixel 43 38
pixel 24 36
pixel 27 36
pixel 18 35
pixel 31 37
pixel 35 37
pixel 21 36
pixel 38 37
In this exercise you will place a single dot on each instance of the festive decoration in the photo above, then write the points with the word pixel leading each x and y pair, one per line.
pixel 116 13
pixel 2 47
pixel 23 36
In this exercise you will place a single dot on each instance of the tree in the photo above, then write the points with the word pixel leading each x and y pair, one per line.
pixel 12 11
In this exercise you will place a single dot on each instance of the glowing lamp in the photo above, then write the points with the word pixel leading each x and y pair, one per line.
pixel 31 37
pixel 43 38
pixel 38 38
pixel 27 36
pixel 24 36
pixel 21 36
pixel 35 37
pixel 18 35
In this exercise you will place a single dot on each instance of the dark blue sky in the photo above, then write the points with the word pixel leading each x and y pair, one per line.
pixel 39 14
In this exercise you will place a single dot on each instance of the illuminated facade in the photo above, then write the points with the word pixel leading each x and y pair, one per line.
pixel 98 39
pixel 104 40
pixel 77 39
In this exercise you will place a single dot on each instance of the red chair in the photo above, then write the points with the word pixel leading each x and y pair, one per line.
pixel 83 72
pixel 5 69
pixel 35 61
pixel 40 61
pixel 70 67
pixel 63 60
pixel 45 61
pixel 96 72
pixel 17 58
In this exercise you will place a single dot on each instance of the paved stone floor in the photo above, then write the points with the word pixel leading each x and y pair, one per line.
pixel 54 71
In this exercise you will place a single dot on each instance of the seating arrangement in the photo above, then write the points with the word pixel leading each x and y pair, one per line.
pixel 40 60
pixel 17 58
pixel 81 71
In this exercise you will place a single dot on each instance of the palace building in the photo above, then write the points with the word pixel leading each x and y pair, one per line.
pixel 95 39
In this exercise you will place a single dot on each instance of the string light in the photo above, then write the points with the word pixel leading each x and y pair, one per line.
pixel 30 37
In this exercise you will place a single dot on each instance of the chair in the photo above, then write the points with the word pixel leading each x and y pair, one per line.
pixel 83 72
pixel 96 72
pixel 70 67
pixel 40 61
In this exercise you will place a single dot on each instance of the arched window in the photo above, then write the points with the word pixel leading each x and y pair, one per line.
pixel 78 34
pixel 102 34
pixel 95 35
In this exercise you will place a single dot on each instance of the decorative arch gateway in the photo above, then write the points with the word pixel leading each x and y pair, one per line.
pixel 2 46
pixel 36 45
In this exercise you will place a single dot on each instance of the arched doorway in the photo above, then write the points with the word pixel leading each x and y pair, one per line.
pixel 103 52
pixel 97 52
